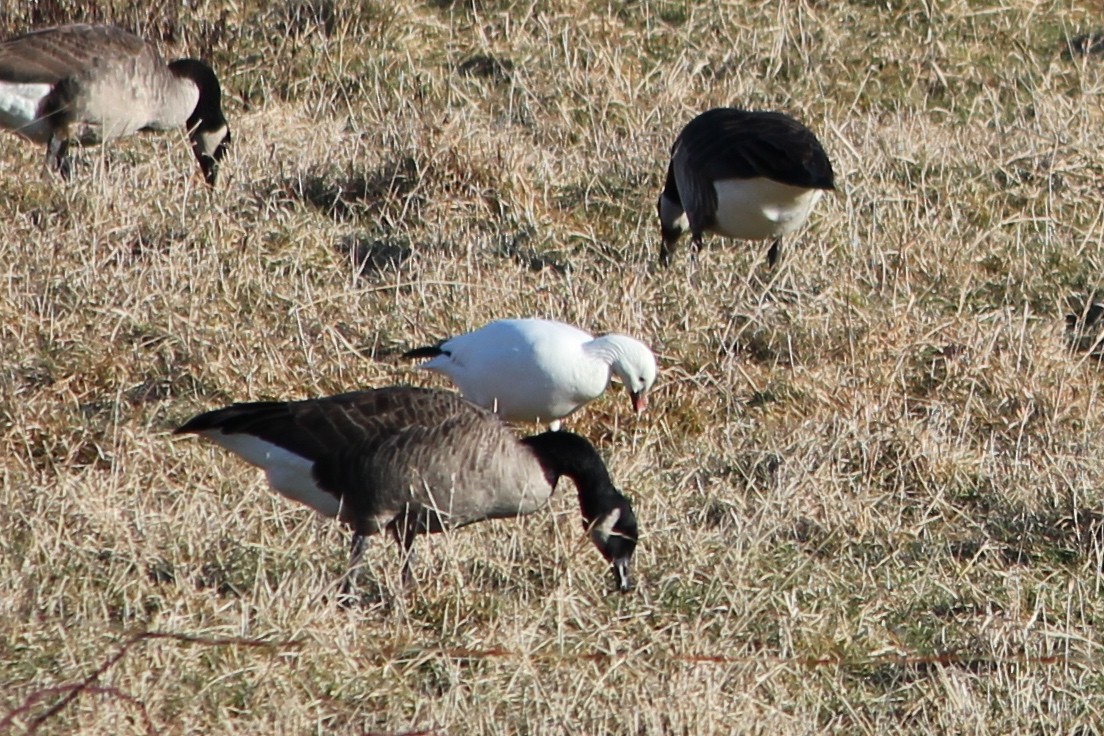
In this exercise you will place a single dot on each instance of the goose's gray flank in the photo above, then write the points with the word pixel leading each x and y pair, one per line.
pixel 741 174
pixel 91 83
pixel 415 461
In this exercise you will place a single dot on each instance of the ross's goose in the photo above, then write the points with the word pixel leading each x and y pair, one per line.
pixel 539 370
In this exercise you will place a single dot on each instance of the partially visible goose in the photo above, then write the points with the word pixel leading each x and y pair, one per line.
pixel 539 370
pixel 741 174
pixel 1085 327
pixel 92 83
pixel 414 461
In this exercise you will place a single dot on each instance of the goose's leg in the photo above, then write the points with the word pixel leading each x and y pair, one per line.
pixel 403 531
pixel 774 253
pixel 695 249
pixel 666 250
pixel 57 154
pixel 348 581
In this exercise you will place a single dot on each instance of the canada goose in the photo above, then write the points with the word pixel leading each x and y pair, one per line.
pixel 741 174
pixel 416 461
pixel 93 83
pixel 538 370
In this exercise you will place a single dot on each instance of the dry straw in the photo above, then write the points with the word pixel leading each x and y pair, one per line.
pixel 881 457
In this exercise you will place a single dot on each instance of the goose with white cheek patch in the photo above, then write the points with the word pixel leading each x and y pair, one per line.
pixel 413 461
pixel 92 83
pixel 741 174
pixel 538 370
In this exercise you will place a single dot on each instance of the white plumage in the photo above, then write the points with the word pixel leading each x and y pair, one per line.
pixel 288 473
pixel 19 106
pixel 759 208
pixel 537 370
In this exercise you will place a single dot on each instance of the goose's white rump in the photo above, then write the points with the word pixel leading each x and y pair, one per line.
pixel 754 209
pixel 288 473
pixel 538 370
pixel 19 109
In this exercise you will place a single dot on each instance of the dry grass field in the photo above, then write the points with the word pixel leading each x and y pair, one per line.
pixel 870 484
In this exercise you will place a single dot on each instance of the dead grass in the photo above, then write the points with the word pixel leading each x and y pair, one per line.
pixel 882 454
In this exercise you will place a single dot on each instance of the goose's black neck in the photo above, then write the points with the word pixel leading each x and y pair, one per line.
pixel 565 453
pixel 206 125
pixel 207 116
pixel 607 515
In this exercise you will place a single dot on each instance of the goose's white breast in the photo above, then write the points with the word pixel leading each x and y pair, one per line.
pixel 761 208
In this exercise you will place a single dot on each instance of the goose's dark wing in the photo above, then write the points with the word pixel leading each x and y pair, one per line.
pixel 49 55
pixel 462 469
pixel 726 143
pixel 316 428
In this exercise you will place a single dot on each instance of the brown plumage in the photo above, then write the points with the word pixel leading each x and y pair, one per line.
pixel 415 461
pixel 92 83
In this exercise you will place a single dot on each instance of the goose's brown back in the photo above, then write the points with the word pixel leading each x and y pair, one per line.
pixel 49 55
pixel 725 143
pixel 106 83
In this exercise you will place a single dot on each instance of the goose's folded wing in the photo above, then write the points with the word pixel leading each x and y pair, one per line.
pixel 774 146
pixel 316 428
pixel 53 54
pixel 695 187
pixel 453 470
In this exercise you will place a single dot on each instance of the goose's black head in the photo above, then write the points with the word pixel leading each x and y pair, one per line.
pixel 614 534
pixel 607 514
pixel 673 222
pixel 207 126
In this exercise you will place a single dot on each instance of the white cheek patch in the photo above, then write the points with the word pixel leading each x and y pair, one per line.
pixel 208 142
pixel 19 104
pixel 603 529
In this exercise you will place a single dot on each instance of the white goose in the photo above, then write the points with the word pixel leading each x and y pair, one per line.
pixel 539 370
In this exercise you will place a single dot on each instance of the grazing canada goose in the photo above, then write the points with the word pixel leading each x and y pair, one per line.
pixel 94 83
pixel 538 370
pixel 741 174
pixel 415 461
